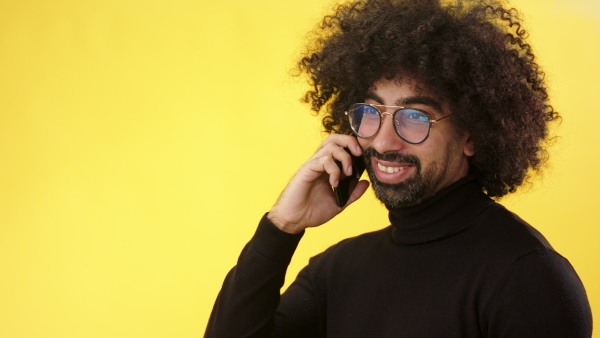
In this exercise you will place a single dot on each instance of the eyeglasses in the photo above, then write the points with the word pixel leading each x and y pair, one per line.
pixel 412 124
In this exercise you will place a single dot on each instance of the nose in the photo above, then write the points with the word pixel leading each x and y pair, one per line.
pixel 387 140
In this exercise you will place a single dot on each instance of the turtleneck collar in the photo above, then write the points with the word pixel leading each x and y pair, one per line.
pixel 440 215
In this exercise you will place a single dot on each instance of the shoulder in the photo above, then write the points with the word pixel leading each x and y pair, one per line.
pixel 354 250
pixel 507 244
pixel 363 241
pixel 537 291
pixel 540 294
pixel 503 231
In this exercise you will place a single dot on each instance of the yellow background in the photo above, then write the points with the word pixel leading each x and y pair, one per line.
pixel 141 141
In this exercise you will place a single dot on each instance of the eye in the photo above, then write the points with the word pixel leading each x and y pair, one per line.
pixel 415 116
pixel 371 111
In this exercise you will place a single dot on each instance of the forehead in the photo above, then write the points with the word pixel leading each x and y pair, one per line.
pixel 405 92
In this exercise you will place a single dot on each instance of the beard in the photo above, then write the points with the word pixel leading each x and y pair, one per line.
pixel 409 192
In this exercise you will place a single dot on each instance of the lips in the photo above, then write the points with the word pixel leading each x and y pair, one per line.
pixel 391 170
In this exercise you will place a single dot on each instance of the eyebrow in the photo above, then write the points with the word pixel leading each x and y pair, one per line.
pixel 423 100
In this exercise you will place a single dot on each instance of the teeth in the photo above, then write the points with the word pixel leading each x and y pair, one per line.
pixel 390 170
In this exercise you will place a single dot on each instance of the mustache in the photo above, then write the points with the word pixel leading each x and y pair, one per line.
pixel 392 157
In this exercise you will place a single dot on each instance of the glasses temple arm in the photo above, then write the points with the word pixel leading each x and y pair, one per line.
pixel 441 118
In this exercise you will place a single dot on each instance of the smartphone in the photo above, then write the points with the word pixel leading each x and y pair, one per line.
pixel 342 191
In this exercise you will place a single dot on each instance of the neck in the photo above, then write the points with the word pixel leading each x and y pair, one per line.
pixel 441 215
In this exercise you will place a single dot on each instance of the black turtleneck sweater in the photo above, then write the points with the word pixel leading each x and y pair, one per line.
pixel 457 265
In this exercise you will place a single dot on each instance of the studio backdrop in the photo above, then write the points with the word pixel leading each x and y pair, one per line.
pixel 142 141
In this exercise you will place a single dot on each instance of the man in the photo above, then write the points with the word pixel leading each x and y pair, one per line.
pixel 447 108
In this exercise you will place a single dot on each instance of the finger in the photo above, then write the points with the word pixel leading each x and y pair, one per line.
pixel 358 191
pixel 338 154
pixel 345 141
pixel 331 167
pixel 317 166
pixel 342 156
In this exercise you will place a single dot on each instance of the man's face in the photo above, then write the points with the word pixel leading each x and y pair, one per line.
pixel 406 174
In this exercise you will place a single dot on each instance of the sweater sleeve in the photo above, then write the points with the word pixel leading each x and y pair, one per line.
pixel 247 303
pixel 540 296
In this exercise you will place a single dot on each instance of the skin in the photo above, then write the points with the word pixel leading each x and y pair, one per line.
pixel 443 156
pixel 308 200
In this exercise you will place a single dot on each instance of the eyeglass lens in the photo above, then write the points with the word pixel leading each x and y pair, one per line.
pixel 411 124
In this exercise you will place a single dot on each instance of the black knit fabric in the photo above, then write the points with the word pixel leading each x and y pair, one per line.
pixel 457 265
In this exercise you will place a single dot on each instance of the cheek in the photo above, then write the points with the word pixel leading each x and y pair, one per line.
pixel 364 143
pixel 432 152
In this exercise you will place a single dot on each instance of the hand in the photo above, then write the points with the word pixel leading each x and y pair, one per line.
pixel 308 200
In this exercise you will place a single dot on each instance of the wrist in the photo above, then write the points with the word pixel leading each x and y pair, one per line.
pixel 290 228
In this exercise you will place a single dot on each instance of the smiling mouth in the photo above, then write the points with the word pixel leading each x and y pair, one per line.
pixel 391 170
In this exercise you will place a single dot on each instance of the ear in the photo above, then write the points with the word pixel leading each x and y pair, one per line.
pixel 468 145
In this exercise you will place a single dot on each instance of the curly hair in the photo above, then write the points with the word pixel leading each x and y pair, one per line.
pixel 472 52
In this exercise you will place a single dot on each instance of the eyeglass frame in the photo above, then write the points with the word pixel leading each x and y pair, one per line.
pixel 393 115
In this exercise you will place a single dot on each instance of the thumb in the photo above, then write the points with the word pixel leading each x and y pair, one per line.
pixel 358 191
